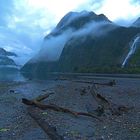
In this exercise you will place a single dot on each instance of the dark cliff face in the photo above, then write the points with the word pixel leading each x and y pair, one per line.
pixel 95 42
pixel 107 51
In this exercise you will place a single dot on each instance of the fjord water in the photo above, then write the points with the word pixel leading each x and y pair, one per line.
pixel 11 76
pixel 132 50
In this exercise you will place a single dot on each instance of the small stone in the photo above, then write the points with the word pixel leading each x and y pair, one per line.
pixel 102 137
pixel 13 134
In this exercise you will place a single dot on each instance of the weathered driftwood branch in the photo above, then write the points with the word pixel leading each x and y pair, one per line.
pixel 42 97
pixel 110 83
pixel 57 108
pixel 51 131
pixel 35 114
pixel 106 104
pixel 99 98
pixel 38 99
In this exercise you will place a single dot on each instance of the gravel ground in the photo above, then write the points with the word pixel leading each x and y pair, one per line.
pixel 16 124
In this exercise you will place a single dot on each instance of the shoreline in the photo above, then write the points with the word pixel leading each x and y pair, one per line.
pixel 19 125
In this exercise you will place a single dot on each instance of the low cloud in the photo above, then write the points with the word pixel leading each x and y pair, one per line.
pixel 53 45
pixel 96 29
pixel 5 10
pixel 12 42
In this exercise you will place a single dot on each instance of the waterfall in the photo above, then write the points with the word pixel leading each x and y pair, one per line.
pixel 133 48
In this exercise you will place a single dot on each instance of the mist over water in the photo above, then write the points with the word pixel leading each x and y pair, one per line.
pixel 11 76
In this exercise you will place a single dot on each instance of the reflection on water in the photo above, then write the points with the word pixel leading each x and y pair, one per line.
pixel 11 76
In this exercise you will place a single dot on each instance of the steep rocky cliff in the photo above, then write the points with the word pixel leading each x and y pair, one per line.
pixel 83 42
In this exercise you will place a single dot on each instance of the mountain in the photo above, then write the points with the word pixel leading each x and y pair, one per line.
pixel 136 23
pixel 78 20
pixel 6 53
pixel 83 42
pixel 6 62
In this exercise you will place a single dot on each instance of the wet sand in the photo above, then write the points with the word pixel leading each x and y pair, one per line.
pixel 16 124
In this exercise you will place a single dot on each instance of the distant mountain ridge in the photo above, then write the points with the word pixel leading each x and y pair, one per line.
pixel 5 60
pixel 6 53
pixel 86 42
pixel 77 20
pixel 136 23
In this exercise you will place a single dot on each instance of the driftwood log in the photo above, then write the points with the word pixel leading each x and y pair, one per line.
pixel 105 104
pixel 56 108
pixel 36 104
pixel 51 131
pixel 34 113
pixel 110 83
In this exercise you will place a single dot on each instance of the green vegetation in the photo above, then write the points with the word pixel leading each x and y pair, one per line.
pixel 91 52
pixel 109 70
pixel 4 129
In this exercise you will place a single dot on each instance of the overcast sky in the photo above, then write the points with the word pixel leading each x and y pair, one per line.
pixel 24 23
